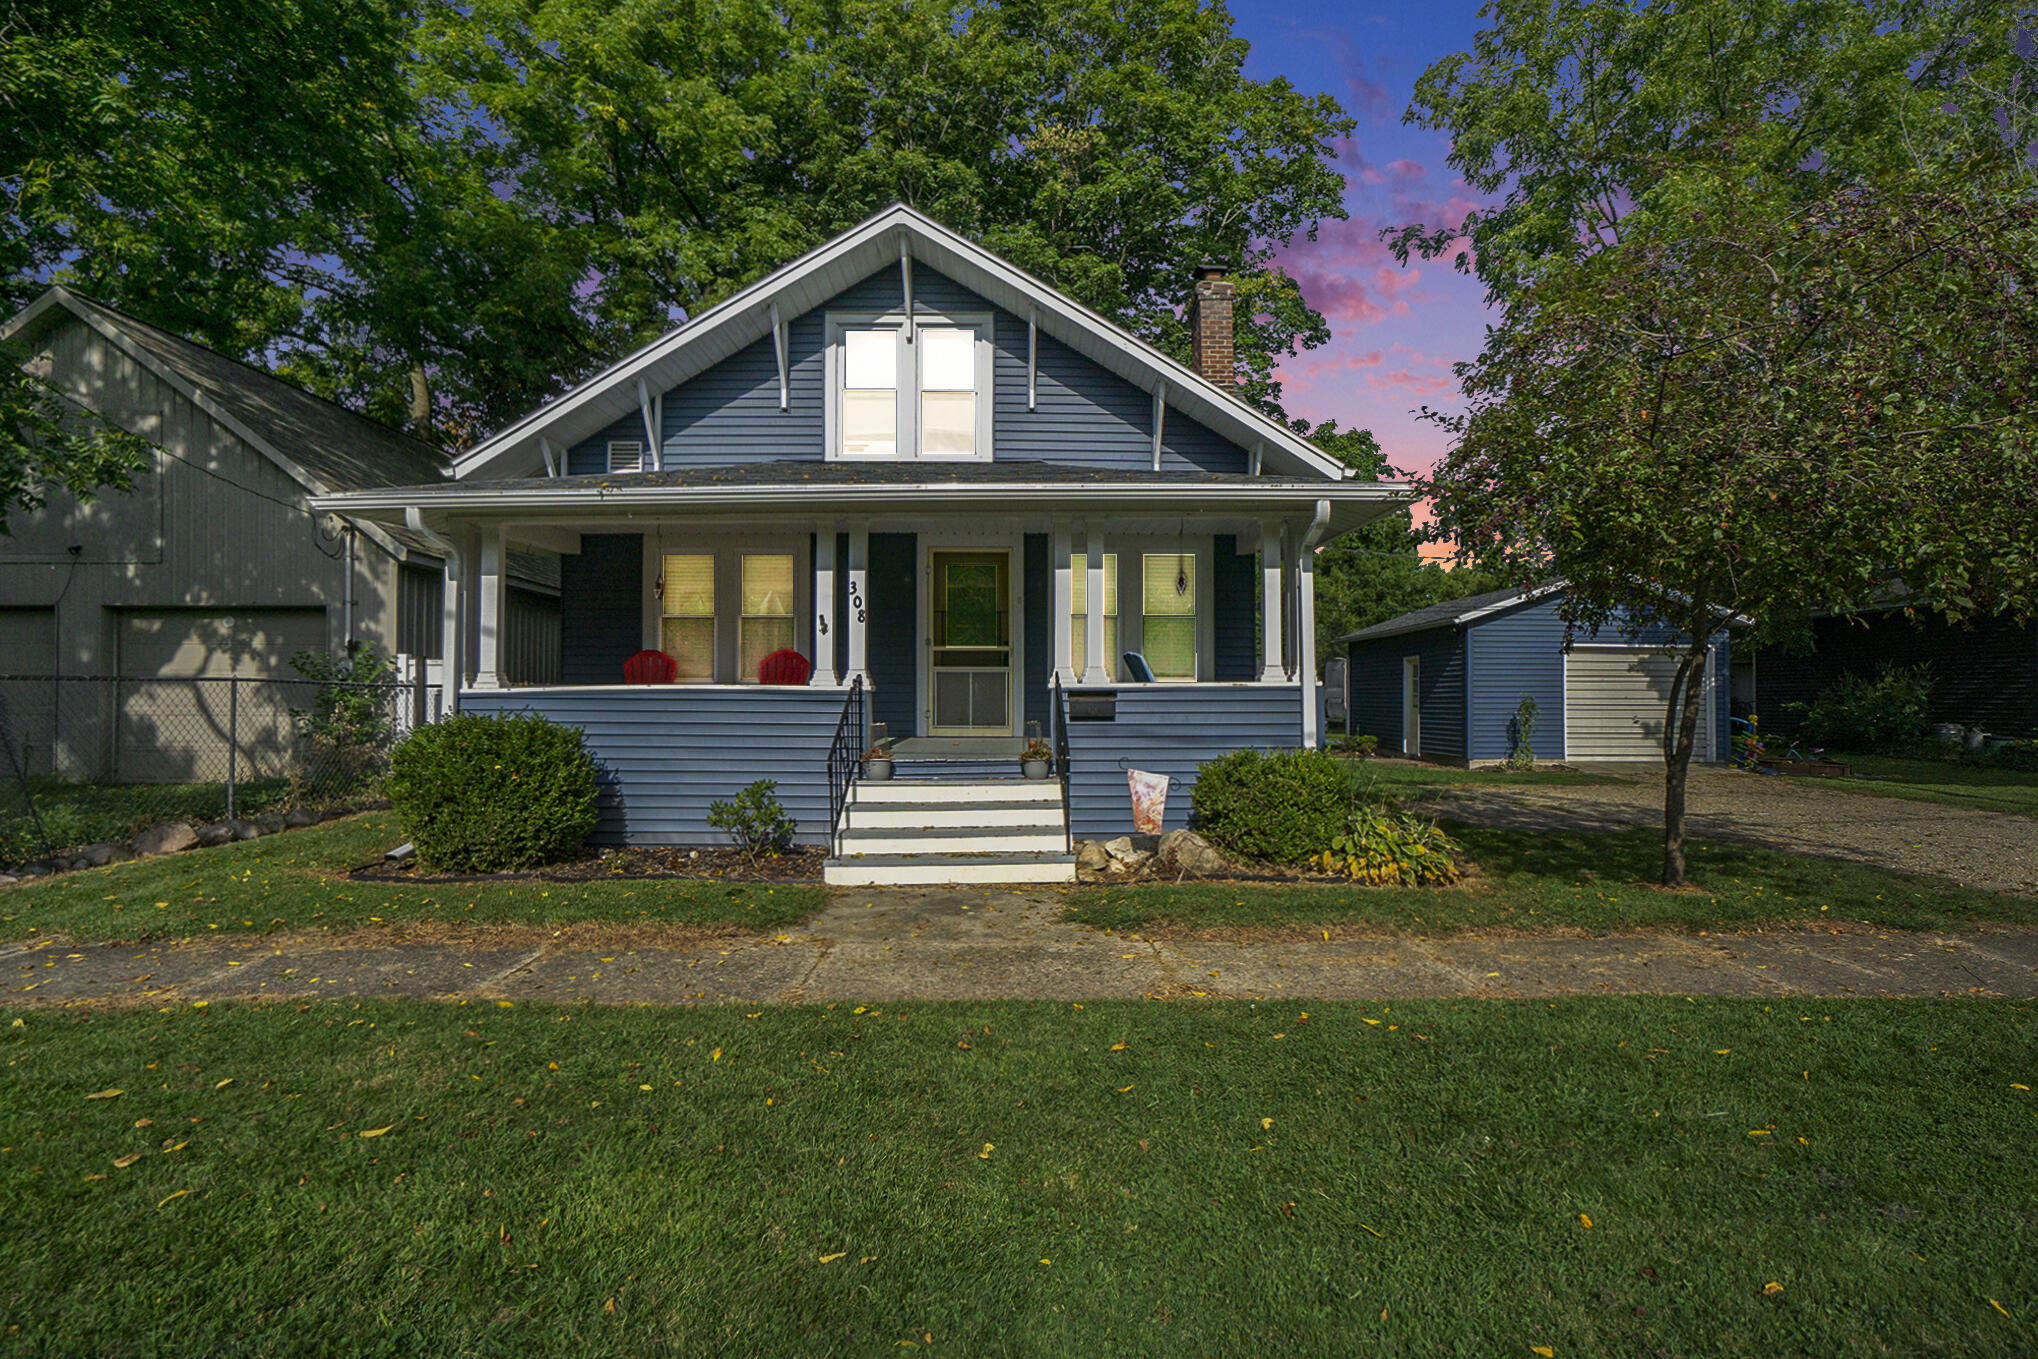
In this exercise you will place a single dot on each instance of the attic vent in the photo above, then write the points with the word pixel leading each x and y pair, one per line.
pixel 626 455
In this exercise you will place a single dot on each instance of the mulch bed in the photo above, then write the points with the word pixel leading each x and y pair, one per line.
pixel 642 862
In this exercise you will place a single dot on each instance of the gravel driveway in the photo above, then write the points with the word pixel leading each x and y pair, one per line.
pixel 1982 849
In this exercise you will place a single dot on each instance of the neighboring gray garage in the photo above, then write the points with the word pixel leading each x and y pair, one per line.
pixel 28 646
pixel 1445 683
pixel 171 730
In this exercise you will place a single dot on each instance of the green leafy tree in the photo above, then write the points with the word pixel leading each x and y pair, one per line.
pixel 1767 410
pixel 683 149
pixel 48 443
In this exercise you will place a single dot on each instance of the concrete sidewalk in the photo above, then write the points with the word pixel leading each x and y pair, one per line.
pixel 965 944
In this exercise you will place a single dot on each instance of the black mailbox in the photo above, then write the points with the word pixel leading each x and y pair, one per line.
pixel 1093 705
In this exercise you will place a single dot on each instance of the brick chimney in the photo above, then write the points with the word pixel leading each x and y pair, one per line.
pixel 1210 304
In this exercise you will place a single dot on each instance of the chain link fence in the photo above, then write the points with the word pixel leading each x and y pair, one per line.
pixel 96 760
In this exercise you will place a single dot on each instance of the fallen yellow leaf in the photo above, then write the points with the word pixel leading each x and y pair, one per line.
pixel 123 1162
pixel 106 1094
pixel 178 1195
pixel 2015 1086
pixel 1120 1047
pixel 1123 1088
pixel 1381 1235
pixel 2000 1308
pixel 1758 1132
pixel 1585 1222
pixel 985 1154
pixel 1543 1350
pixel 1372 1021
pixel 221 1085
pixel 1721 1052
pixel 376 1132
pixel 715 1056
pixel 1266 1125
pixel 1771 1289
pixel 831 1259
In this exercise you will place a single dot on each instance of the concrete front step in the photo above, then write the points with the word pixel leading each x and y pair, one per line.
pixel 996 815
pixel 946 840
pixel 912 870
pixel 868 791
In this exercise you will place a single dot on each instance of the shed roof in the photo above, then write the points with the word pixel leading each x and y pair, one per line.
pixel 1452 612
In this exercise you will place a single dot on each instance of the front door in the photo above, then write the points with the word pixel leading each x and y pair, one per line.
pixel 1411 706
pixel 970 638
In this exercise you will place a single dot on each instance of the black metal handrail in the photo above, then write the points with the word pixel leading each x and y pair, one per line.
pixel 1060 718
pixel 845 760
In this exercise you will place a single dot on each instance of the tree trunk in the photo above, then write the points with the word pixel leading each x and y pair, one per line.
pixel 421 404
pixel 1680 730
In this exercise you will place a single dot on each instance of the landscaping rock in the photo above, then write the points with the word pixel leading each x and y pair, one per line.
pixel 172 837
pixel 98 856
pixel 1126 854
pixel 297 818
pixel 1093 856
pixel 245 829
pixel 1191 853
pixel 268 825
pixel 218 833
pixel 8 880
pixel 39 869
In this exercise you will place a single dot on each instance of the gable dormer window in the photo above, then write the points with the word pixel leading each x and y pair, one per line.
pixel 896 394
pixel 626 455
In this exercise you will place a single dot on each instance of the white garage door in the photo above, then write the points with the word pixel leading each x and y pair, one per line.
pixel 175 705
pixel 1616 700
pixel 28 647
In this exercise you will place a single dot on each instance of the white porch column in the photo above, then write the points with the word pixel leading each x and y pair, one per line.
pixel 1271 611
pixel 859 599
pixel 467 604
pixel 1305 637
pixel 824 603
pixel 1093 599
pixel 1064 604
pixel 451 659
pixel 493 596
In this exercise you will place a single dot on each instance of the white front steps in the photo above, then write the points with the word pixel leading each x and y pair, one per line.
pixel 903 832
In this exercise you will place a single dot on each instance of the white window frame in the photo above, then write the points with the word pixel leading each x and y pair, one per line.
pixel 909 381
pixel 728 549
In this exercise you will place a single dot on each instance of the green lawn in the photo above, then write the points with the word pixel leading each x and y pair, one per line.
pixel 1956 785
pixel 1598 1176
pixel 1409 780
pixel 296 881
pixel 1592 880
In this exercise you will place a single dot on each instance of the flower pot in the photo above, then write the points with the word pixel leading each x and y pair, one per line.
pixel 877 769
pixel 1034 769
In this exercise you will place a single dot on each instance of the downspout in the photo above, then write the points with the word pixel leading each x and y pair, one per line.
pixel 1305 620
pixel 347 595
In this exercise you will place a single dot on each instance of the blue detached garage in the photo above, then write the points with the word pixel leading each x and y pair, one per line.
pixel 1445 683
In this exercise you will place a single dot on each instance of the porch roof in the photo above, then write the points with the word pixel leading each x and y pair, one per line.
pixel 1011 485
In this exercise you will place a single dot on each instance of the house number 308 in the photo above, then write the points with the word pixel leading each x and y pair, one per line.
pixel 856 603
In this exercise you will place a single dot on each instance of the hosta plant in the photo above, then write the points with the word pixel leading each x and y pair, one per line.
pixel 1390 848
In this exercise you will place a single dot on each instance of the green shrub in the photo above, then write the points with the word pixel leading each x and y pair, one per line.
pixel 1389 847
pixel 493 794
pixel 1886 713
pixel 756 820
pixel 1524 754
pixel 1280 806
pixel 1356 743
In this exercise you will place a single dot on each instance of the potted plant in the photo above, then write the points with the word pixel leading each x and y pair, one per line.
pixel 877 763
pixel 1034 760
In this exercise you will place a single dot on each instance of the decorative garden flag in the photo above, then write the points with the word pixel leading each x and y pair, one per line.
pixel 1149 800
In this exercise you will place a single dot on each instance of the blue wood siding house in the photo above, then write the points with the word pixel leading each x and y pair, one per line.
pixel 968 502
pixel 1447 682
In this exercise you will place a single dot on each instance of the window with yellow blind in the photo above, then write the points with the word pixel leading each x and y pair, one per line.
pixel 766 624
pixel 686 630
pixel 1168 614
pixel 1079 610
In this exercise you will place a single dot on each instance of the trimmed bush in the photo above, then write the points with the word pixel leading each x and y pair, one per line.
pixel 1279 806
pixel 755 820
pixel 493 794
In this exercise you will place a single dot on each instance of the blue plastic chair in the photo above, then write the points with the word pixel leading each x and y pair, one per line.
pixel 1136 668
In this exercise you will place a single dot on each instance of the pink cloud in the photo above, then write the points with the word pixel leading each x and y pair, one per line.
pixel 1415 384
pixel 1404 168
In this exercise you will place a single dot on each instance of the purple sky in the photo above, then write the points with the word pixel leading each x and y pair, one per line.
pixel 1395 332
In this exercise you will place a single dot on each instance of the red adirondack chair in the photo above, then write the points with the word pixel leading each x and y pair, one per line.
pixel 784 666
pixel 650 667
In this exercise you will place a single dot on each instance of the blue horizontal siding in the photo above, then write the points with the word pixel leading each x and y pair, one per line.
pixel 1086 415
pixel 1376 690
pixel 1170 729
pixel 666 752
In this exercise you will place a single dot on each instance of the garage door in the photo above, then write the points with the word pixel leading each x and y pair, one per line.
pixel 28 647
pixel 1616 700
pixel 174 704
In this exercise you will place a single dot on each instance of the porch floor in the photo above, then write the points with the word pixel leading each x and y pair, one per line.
pixel 957 748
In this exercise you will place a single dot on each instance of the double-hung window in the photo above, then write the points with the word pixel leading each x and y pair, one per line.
pixel 766 624
pixel 686 629
pixel 923 395
pixel 1168 614
pixel 1079 609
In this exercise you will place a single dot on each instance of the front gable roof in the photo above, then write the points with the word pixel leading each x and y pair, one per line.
pixel 1452 612
pixel 816 277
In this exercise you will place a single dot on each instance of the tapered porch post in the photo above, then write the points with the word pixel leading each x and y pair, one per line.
pixel 859 598
pixel 493 596
pixel 466 607
pixel 1064 604
pixel 824 603
pixel 1305 637
pixel 1271 611
pixel 1093 602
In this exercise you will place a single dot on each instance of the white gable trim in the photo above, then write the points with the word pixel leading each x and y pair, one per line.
pixel 898 233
